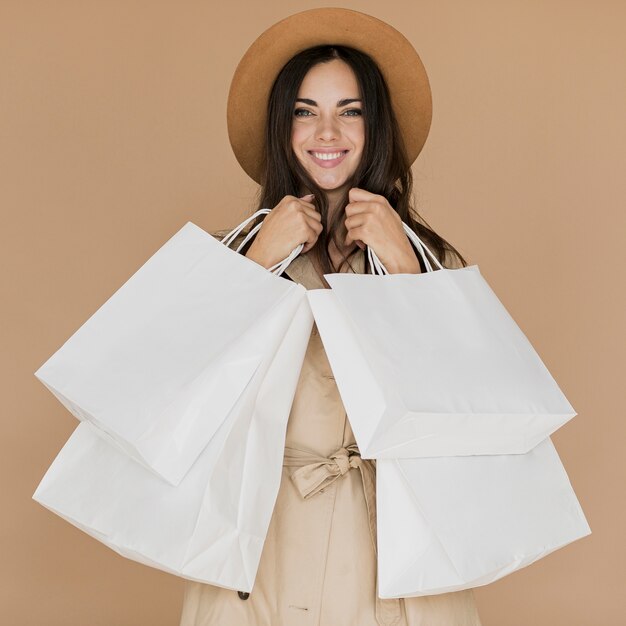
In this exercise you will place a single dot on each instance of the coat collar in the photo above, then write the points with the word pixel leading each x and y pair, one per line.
pixel 302 271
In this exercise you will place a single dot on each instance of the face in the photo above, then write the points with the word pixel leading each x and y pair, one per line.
pixel 328 133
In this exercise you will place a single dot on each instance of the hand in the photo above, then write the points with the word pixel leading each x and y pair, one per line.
pixel 292 221
pixel 372 221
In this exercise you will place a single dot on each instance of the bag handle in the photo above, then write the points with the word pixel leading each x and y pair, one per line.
pixel 228 239
pixel 378 268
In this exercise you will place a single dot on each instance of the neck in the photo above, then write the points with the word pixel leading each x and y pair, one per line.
pixel 334 198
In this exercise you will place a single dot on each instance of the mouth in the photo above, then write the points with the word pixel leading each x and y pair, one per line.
pixel 327 158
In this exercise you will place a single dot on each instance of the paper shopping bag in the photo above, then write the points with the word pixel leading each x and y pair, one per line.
pixel 451 523
pixel 432 364
pixel 212 526
pixel 161 363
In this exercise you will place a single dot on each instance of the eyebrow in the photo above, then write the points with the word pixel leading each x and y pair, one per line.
pixel 341 103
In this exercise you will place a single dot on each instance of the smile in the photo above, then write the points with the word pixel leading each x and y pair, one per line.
pixel 328 159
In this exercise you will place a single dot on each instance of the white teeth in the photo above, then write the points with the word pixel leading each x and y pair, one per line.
pixel 327 156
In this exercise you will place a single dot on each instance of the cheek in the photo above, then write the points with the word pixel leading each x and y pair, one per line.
pixel 298 135
pixel 358 138
pixel 362 136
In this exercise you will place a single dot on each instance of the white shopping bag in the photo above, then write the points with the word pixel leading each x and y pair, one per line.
pixel 212 526
pixel 432 364
pixel 451 523
pixel 161 363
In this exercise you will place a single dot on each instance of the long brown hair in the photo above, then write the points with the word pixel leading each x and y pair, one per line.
pixel 383 169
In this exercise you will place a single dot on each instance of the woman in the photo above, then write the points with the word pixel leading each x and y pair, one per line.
pixel 323 135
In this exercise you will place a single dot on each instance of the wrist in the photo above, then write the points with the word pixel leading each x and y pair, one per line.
pixel 254 255
pixel 407 264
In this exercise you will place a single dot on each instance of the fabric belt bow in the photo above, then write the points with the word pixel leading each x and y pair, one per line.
pixel 315 472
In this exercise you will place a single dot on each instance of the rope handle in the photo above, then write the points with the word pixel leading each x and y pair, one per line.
pixel 377 266
pixel 228 239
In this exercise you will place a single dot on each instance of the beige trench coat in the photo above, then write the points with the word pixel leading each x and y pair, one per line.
pixel 318 566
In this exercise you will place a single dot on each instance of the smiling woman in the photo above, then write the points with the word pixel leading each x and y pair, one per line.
pixel 332 131
pixel 328 122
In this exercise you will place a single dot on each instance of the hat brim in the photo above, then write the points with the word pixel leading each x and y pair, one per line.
pixel 252 81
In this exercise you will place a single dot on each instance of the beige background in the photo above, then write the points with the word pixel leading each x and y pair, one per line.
pixel 112 136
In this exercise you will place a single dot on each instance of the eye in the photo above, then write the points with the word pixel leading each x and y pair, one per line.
pixel 302 113
pixel 353 112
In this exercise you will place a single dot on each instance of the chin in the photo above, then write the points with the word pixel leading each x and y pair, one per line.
pixel 333 188
pixel 340 185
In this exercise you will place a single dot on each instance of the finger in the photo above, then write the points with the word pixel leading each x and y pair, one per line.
pixel 357 207
pixel 312 231
pixel 360 195
pixel 298 204
pixel 312 212
pixel 293 201
pixel 355 220
pixel 311 239
pixel 308 201
pixel 314 224
pixel 349 241
pixel 308 245
pixel 354 234
pixel 304 201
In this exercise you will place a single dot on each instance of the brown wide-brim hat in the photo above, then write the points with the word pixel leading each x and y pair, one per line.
pixel 254 77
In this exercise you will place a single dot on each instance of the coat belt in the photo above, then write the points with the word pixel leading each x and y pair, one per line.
pixel 314 473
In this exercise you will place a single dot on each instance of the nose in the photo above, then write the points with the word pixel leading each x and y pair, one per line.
pixel 327 128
